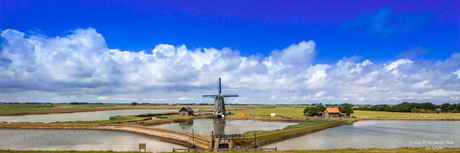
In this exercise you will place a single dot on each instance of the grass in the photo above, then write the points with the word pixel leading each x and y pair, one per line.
pixel 295 112
pixel 289 131
pixel 300 125
pixel 29 109
pixel 400 115
pixel 298 112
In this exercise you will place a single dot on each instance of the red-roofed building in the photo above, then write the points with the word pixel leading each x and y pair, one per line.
pixel 331 112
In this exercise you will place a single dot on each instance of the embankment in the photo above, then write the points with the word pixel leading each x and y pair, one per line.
pixel 179 137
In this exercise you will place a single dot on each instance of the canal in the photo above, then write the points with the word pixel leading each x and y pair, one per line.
pixel 83 116
pixel 379 134
pixel 35 139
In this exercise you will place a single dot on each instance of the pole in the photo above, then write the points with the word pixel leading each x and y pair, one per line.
pixel 193 133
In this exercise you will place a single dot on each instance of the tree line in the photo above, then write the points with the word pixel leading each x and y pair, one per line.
pixel 426 107
pixel 313 111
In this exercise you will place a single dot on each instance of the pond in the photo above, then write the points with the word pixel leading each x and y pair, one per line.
pixel 379 134
pixel 32 139
pixel 83 116
pixel 204 127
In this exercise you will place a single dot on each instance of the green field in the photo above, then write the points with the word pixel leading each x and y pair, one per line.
pixel 295 112
pixel 399 115
pixel 29 109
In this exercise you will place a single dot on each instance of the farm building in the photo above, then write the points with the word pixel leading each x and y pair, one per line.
pixel 331 112
pixel 186 111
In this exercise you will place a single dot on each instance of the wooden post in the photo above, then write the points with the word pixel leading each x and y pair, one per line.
pixel 276 148
pixel 193 133
pixel 174 150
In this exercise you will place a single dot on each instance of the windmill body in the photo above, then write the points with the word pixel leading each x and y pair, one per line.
pixel 219 103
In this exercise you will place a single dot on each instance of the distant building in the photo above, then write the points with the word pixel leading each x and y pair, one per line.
pixel 1 103
pixel 186 111
pixel 331 112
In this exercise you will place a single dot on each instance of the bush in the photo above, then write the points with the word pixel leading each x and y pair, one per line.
pixel 178 120
pixel 211 116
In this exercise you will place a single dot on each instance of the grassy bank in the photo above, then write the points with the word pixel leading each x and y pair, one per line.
pixel 265 137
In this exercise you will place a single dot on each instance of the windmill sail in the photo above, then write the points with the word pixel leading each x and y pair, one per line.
pixel 219 103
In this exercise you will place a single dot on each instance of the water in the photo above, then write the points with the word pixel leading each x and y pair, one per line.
pixel 83 116
pixel 224 126
pixel 25 139
pixel 379 134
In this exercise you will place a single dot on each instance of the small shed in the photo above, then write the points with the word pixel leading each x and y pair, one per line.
pixel 186 111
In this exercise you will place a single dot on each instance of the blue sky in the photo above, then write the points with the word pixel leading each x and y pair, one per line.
pixel 277 51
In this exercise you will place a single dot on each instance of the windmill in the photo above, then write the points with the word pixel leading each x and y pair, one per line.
pixel 219 104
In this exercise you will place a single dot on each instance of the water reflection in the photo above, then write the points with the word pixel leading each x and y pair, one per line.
pixel 219 126
pixel 378 134
pixel 186 125
pixel 27 139
pixel 84 116
pixel 224 126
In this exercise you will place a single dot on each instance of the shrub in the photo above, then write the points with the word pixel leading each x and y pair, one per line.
pixel 178 120
pixel 211 116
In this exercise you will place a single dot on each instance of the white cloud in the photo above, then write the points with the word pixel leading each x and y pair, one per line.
pixel 183 98
pixel 80 67
pixel 394 65
pixel 457 73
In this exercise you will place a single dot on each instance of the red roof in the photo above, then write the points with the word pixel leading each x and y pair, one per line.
pixel 332 110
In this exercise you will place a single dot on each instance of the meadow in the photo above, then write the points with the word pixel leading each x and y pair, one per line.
pixel 29 109
pixel 400 115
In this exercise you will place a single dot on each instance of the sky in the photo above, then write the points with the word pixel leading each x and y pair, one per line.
pixel 269 52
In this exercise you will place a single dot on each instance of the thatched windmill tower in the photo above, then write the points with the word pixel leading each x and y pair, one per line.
pixel 219 104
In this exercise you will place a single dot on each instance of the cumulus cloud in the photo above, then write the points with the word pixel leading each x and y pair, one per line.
pixel 80 67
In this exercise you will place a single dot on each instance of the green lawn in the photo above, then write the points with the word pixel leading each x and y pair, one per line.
pixel 399 115
pixel 295 112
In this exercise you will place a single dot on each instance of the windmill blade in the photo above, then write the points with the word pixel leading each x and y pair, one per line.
pixel 209 95
pixel 230 95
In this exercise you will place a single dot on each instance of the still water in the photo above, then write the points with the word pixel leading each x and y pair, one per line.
pixel 25 139
pixel 379 134
pixel 224 126
pixel 84 116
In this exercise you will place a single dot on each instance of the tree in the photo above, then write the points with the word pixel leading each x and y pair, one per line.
pixel 320 108
pixel 348 109
pixel 134 103
pixel 312 111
